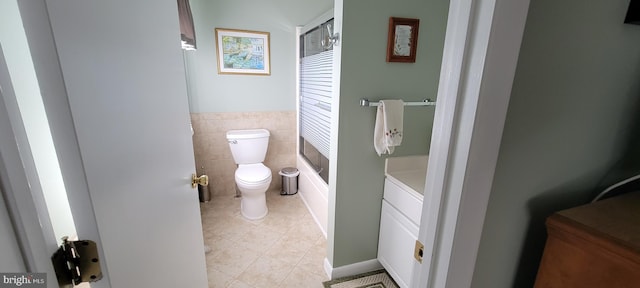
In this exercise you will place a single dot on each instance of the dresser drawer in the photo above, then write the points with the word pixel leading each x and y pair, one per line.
pixel 594 245
pixel 396 243
pixel 404 201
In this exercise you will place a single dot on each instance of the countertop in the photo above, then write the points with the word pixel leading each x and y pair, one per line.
pixel 409 172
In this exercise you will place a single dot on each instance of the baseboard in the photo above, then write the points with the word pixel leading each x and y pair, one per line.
pixel 351 269
pixel 327 268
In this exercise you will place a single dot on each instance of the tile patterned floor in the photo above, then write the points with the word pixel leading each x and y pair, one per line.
pixel 284 249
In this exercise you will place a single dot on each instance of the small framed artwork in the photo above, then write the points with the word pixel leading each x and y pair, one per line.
pixel 243 52
pixel 403 40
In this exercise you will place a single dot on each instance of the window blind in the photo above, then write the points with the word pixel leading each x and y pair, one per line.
pixel 316 88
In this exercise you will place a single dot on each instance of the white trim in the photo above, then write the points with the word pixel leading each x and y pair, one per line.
pixel 442 134
pixel 327 267
pixel 335 121
pixel 19 180
pixel 297 61
pixel 486 69
pixel 351 269
pixel 498 63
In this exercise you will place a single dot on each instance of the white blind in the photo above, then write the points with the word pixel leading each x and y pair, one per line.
pixel 315 103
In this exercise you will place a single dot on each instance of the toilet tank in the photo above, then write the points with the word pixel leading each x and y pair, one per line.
pixel 248 146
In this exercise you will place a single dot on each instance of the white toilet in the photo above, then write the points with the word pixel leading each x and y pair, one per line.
pixel 249 148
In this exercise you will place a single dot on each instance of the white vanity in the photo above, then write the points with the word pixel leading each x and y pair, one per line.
pixel 400 217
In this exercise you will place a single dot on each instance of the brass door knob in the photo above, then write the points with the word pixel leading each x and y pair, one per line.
pixel 203 180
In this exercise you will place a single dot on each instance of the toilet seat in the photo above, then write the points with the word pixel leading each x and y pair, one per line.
pixel 253 174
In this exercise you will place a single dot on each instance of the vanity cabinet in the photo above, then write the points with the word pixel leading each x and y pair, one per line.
pixel 595 245
pixel 398 233
pixel 400 217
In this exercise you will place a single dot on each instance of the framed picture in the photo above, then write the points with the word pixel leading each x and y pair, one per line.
pixel 243 52
pixel 403 40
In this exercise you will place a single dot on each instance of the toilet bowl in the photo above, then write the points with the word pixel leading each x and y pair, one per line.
pixel 249 148
pixel 253 181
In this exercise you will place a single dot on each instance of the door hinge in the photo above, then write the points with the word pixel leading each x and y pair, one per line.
pixel 418 252
pixel 76 262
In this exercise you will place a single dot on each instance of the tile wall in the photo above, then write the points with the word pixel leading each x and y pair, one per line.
pixel 212 153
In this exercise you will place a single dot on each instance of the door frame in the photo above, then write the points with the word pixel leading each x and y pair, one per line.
pixel 21 185
pixel 463 144
pixel 481 50
pixel 40 38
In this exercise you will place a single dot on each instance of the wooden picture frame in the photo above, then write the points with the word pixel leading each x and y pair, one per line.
pixel 242 52
pixel 402 41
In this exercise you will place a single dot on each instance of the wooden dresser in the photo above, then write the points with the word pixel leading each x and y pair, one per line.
pixel 595 245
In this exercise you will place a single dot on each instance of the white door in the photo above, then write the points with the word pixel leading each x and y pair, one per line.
pixel 112 80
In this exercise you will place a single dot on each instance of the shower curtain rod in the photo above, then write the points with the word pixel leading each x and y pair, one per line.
pixel 364 102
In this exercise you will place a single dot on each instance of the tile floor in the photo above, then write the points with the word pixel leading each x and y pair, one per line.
pixel 284 249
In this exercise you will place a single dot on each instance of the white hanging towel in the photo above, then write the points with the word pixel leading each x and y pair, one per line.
pixel 388 131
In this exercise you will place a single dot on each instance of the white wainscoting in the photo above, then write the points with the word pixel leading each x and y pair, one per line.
pixel 314 193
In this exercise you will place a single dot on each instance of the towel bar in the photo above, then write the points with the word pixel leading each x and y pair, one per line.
pixel 364 102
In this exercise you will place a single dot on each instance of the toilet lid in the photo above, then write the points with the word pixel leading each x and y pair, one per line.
pixel 253 172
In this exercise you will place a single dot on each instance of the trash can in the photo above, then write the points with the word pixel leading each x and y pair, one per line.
pixel 204 194
pixel 289 180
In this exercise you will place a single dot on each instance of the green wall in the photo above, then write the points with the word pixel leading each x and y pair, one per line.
pixel 211 92
pixel 365 73
pixel 571 123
